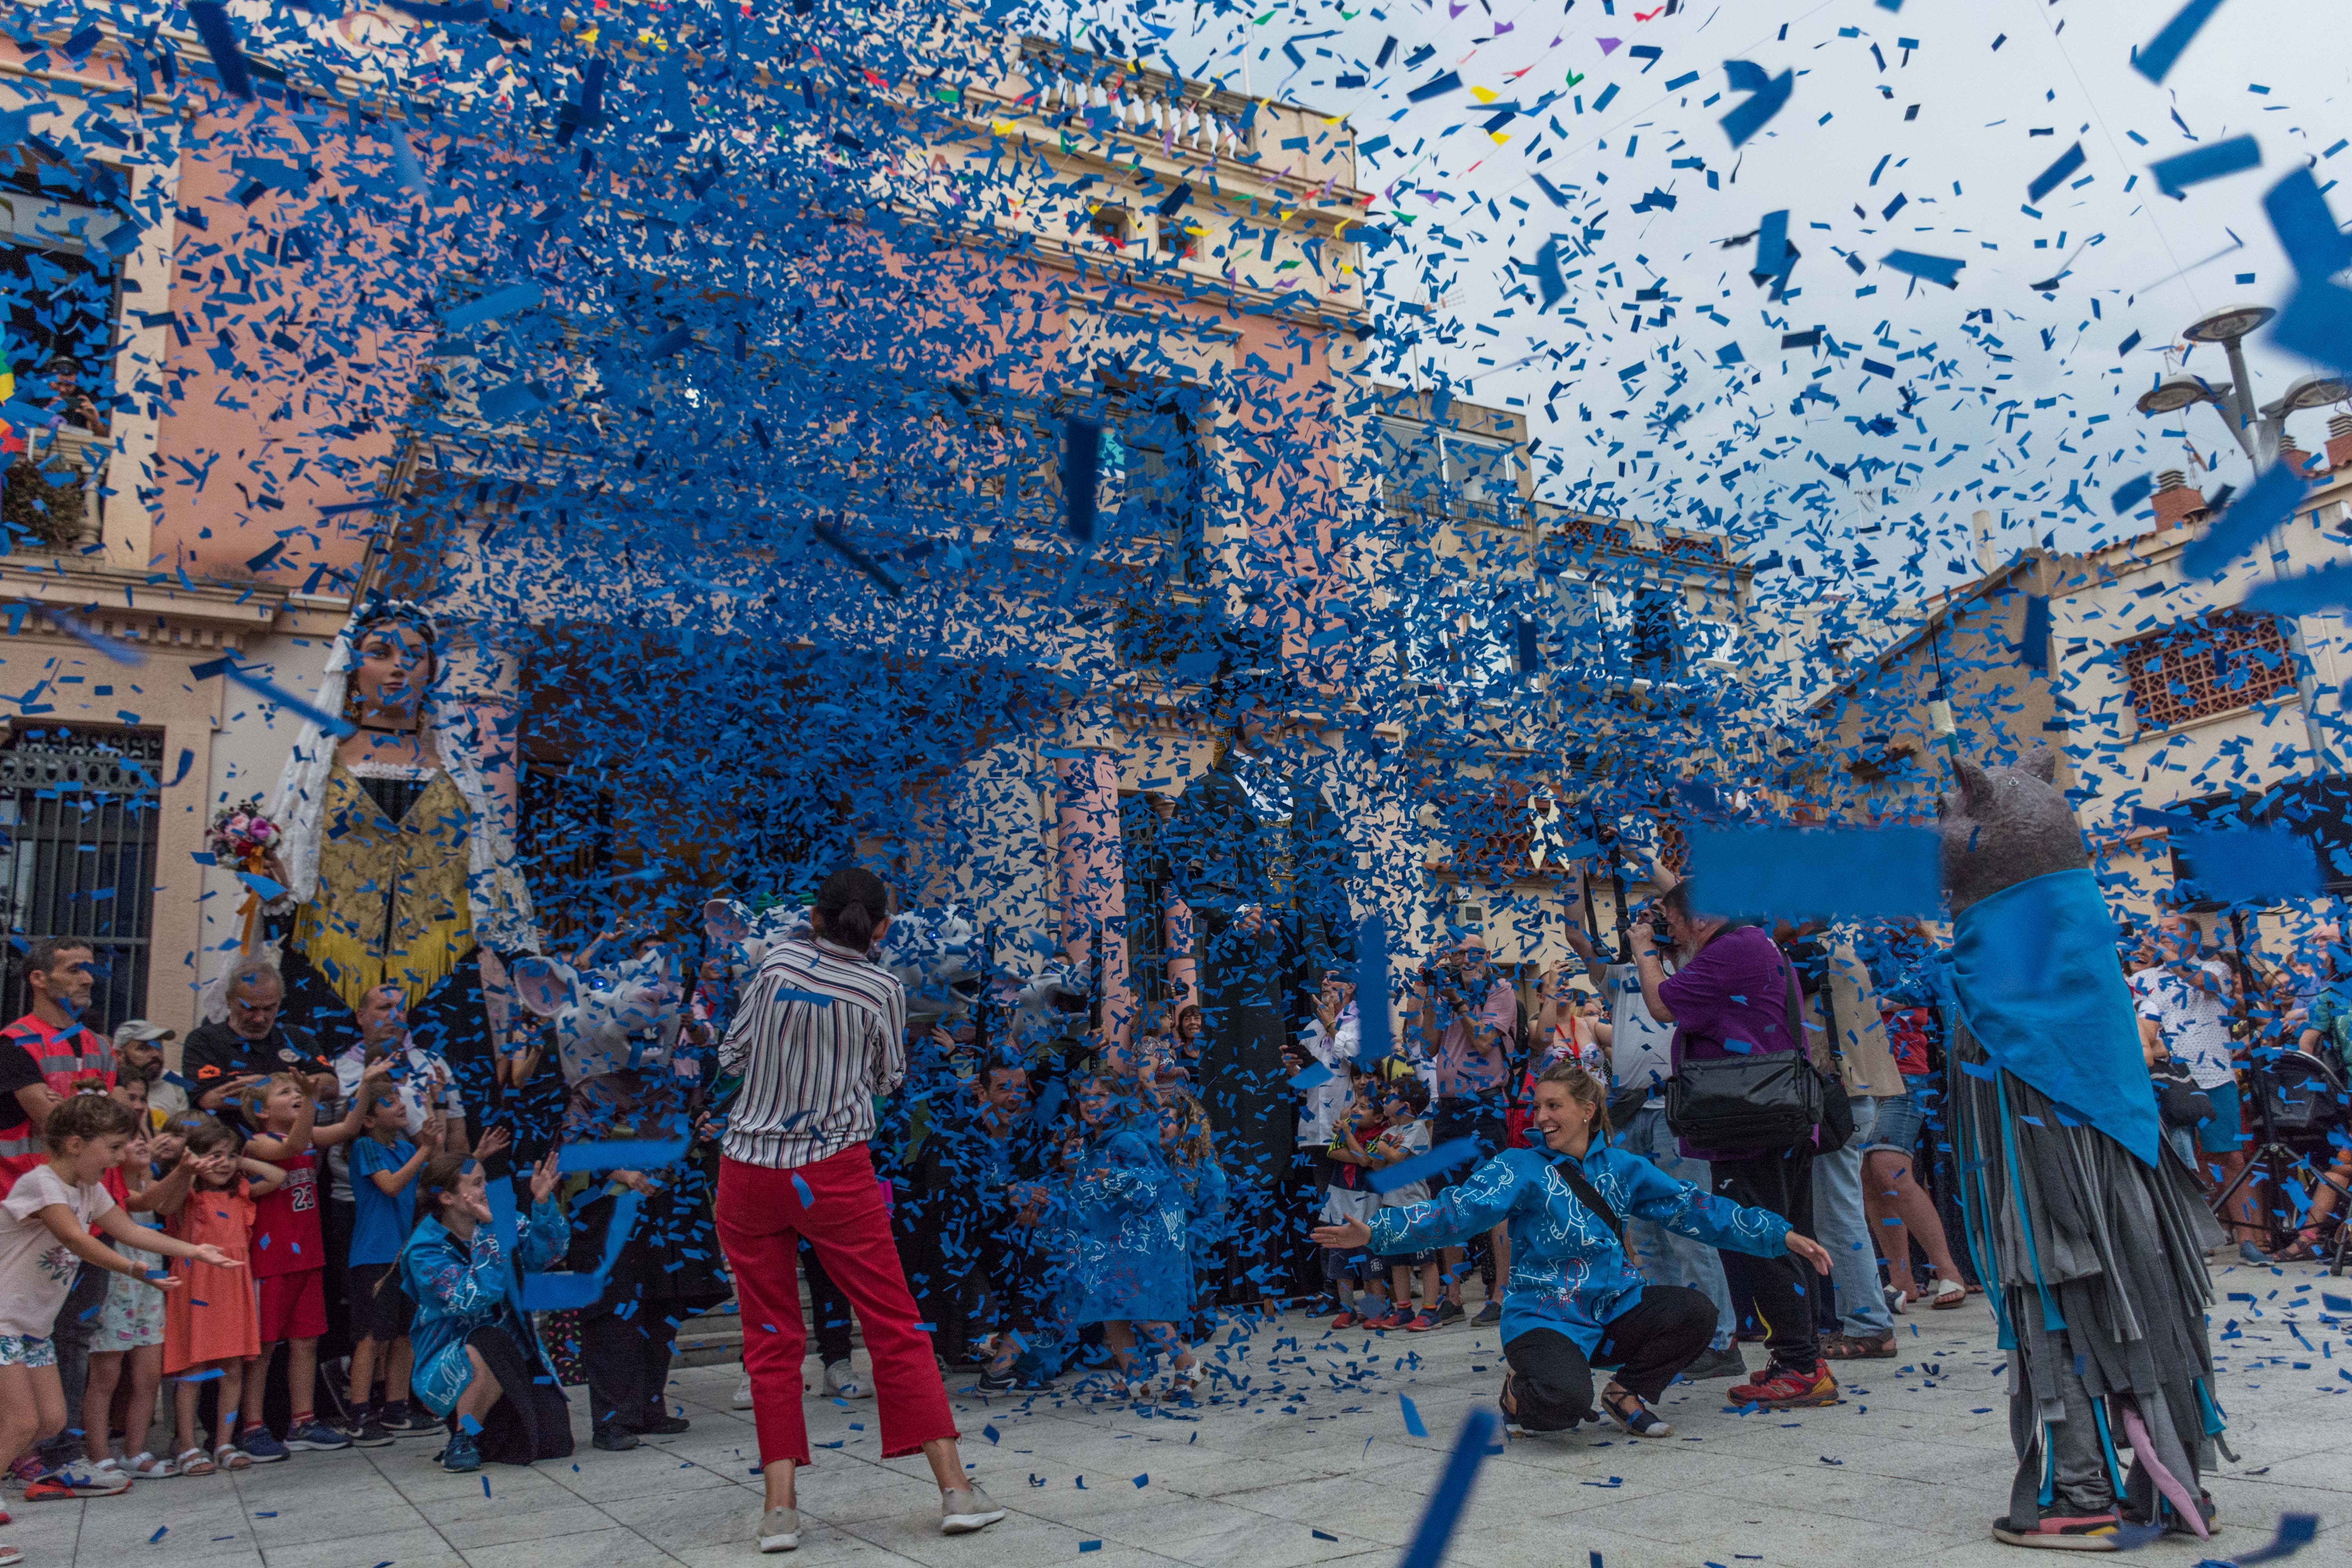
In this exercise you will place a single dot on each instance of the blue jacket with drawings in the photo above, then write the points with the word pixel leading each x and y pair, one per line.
pixel 461 1286
pixel 1568 1271
pixel 1126 1209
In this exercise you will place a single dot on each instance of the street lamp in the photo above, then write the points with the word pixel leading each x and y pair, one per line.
pixel 2260 440
pixel 2178 391
pixel 2259 437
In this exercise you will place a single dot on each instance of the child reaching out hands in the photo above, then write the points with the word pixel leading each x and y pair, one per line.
pixel 384 1168
pixel 45 1225
pixel 1350 1197
pixel 210 1328
pixel 1404 1103
pixel 126 1352
pixel 290 1255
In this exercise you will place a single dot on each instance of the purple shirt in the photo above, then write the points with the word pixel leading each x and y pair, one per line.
pixel 1732 992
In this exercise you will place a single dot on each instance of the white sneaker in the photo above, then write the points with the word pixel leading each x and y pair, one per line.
pixel 779 1530
pixel 742 1400
pixel 1897 1301
pixel 841 1382
pixel 86 1480
pixel 961 1512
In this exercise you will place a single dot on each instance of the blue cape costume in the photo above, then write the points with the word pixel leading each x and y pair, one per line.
pixel 2038 983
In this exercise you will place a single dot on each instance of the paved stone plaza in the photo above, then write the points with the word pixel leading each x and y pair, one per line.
pixel 1311 1463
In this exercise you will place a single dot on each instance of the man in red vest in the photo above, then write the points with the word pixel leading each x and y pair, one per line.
pixel 47 1055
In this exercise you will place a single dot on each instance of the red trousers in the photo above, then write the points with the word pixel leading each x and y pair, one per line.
pixel 761 1219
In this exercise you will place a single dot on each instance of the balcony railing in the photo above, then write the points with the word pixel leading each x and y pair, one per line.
pixel 1115 100
pixel 51 498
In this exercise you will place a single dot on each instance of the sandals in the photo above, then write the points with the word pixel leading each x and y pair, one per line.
pixel 229 1457
pixel 1849 1347
pixel 1507 1405
pixel 192 1462
pixel 2305 1248
pixel 1944 1294
pixel 1640 1421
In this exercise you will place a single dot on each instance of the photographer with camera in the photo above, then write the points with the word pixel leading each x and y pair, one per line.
pixel 1471 1009
pixel 1733 997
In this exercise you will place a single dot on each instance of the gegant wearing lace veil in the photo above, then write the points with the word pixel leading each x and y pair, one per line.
pixel 398 862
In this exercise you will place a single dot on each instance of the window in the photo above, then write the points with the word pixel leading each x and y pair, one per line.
pixel 1442 472
pixel 1111 226
pixel 1657 643
pixel 79 815
pixel 59 280
pixel 2222 661
pixel 1154 469
pixel 1177 238
pixel 1412 467
pixel 1481 477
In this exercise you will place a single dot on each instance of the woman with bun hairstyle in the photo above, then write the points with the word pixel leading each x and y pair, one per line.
pixel 821 1031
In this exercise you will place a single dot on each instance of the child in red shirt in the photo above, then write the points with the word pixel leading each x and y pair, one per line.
pixel 289 1255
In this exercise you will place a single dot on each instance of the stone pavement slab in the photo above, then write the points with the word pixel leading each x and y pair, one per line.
pixel 1299 1455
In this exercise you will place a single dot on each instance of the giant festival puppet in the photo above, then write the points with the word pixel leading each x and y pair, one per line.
pixel 398 861
pixel 2086 1225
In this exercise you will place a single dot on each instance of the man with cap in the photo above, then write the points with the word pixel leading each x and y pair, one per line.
pixel 138 1053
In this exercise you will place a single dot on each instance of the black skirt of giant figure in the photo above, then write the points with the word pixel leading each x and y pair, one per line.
pixel 1244 1084
pixel 1220 858
pixel 452 1021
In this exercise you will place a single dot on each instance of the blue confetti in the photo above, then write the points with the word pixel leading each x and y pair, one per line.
pixel 1452 1494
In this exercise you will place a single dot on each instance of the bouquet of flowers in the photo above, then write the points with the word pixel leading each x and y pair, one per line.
pixel 243 836
pixel 242 840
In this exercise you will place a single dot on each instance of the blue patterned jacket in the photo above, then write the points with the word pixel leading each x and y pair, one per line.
pixel 1568 1271
pixel 1126 1209
pixel 458 1287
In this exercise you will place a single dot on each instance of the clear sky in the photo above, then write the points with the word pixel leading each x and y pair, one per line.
pixel 1928 148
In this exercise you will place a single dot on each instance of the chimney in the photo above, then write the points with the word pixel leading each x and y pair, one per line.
pixel 2339 442
pixel 1980 528
pixel 2174 501
pixel 2294 457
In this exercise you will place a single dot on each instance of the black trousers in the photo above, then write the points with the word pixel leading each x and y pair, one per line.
pixel 828 1306
pixel 627 1359
pixel 1783 1183
pixel 1648 1343
pixel 530 1422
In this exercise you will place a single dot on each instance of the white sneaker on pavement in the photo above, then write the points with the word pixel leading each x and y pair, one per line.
pixel 841 1382
pixel 742 1400
pixel 961 1512
pixel 779 1530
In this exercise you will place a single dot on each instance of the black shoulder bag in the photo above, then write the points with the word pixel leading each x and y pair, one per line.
pixel 1761 1100
pixel 1590 1196
pixel 1837 1106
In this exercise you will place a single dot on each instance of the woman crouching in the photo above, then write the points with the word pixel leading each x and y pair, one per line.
pixel 1576 1301
pixel 480 1365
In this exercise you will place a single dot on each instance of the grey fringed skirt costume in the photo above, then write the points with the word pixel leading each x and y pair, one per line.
pixel 2102 1293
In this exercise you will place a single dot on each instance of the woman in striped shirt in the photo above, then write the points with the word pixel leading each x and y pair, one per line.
pixel 821 1031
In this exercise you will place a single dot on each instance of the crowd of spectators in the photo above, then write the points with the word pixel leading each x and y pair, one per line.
pixel 1063 1212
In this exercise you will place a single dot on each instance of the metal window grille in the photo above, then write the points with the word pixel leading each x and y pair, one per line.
pixel 1148 887
pixel 2223 661
pixel 79 810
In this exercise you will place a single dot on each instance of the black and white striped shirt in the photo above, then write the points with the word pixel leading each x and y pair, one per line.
pixel 822 1030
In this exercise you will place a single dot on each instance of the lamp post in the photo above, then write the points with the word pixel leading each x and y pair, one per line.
pixel 2260 433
